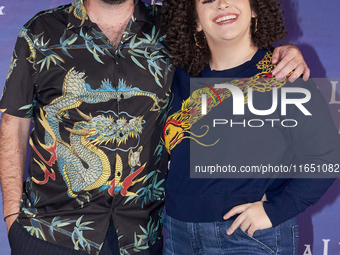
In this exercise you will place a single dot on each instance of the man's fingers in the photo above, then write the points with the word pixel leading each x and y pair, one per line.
pixel 280 66
pixel 285 70
pixel 235 210
pixel 306 74
pixel 283 52
pixel 276 55
pixel 290 58
pixel 297 73
pixel 299 70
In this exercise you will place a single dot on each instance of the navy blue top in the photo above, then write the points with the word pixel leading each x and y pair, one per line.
pixel 313 140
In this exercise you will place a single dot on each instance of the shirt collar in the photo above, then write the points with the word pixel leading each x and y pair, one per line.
pixel 78 16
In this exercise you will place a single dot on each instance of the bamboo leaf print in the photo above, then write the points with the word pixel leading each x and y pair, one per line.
pixel 72 39
pixel 137 62
pixel 148 37
pixel 132 42
pixel 134 54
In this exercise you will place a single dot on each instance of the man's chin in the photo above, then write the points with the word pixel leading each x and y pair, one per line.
pixel 114 2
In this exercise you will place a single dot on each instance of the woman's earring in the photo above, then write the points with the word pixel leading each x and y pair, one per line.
pixel 196 42
pixel 255 26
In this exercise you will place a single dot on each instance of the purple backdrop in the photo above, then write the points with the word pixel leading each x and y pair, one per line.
pixel 312 26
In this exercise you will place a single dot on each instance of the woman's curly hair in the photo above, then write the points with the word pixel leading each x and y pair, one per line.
pixel 181 22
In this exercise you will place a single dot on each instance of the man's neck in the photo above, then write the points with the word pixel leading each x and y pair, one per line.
pixel 110 18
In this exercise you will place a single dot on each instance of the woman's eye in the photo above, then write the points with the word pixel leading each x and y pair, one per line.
pixel 207 1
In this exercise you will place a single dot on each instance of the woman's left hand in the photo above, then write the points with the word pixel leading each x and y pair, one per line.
pixel 289 58
pixel 252 217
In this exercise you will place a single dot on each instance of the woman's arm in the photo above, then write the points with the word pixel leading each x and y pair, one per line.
pixel 315 142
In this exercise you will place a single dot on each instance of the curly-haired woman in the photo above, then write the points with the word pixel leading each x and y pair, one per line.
pixel 230 39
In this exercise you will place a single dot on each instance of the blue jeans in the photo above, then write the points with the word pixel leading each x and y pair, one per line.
pixel 187 238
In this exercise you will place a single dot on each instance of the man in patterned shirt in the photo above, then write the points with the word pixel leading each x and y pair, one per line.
pixel 95 79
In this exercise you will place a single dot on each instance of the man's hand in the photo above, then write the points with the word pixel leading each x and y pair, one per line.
pixel 252 217
pixel 291 59
pixel 13 145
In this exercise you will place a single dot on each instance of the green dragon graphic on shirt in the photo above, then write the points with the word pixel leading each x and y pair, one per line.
pixel 86 136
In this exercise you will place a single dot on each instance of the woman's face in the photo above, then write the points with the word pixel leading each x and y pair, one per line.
pixel 224 20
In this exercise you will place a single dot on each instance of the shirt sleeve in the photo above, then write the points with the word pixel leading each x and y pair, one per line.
pixel 315 141
pixel 18 93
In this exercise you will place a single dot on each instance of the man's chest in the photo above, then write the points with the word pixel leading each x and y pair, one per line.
pixel 114 32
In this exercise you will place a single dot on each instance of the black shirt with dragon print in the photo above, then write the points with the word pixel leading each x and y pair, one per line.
pixel 98 114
